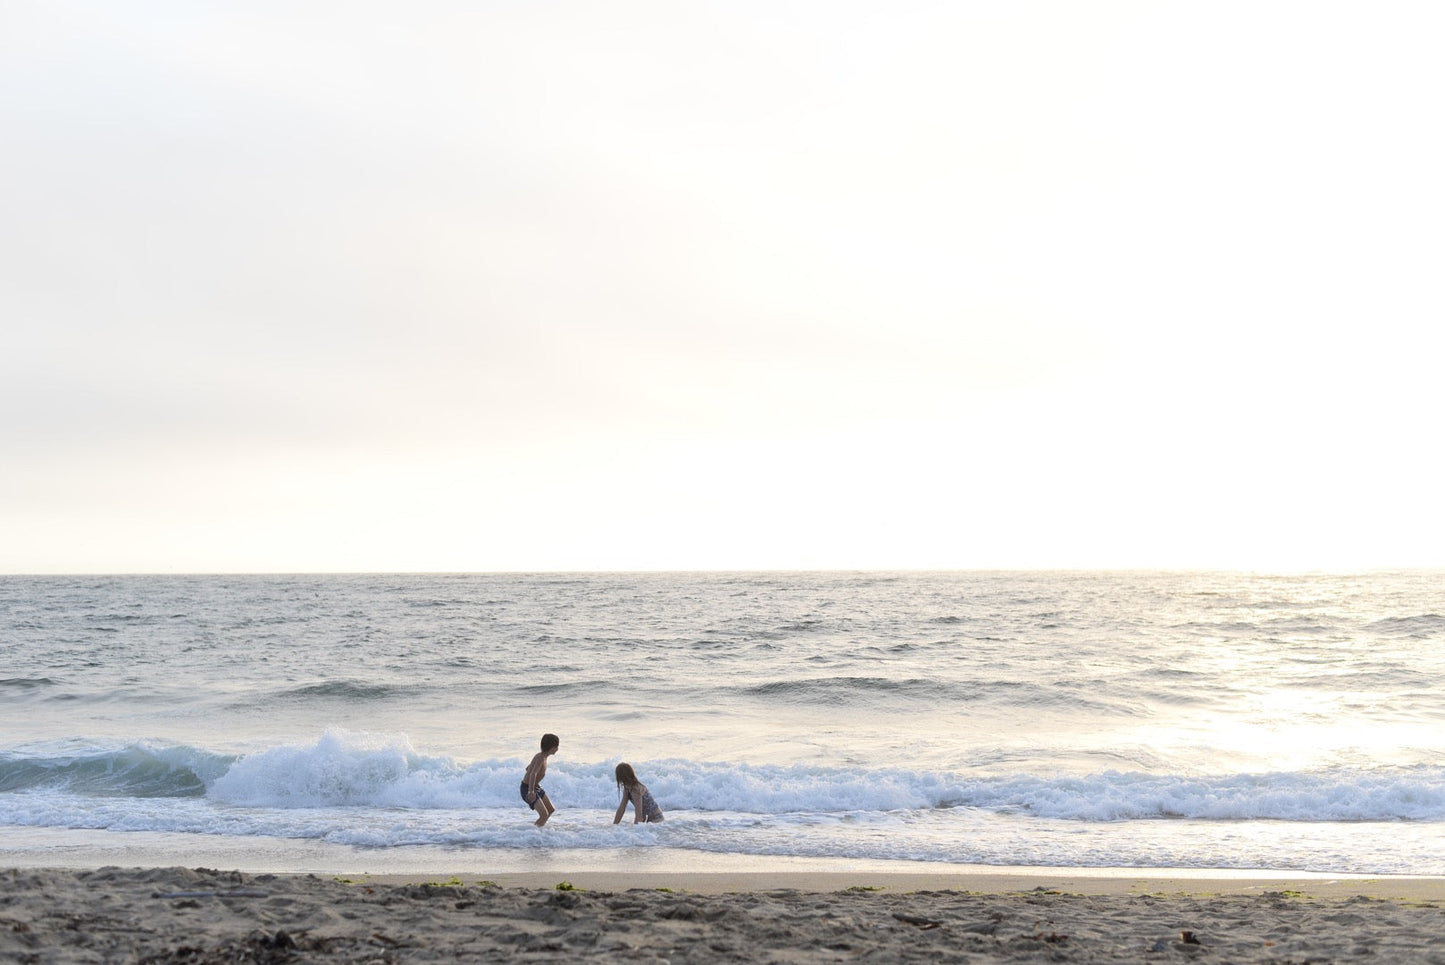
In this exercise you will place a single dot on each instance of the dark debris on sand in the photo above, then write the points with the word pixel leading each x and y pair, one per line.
pixel 263 949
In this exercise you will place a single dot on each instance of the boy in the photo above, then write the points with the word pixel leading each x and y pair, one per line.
pixel 532 792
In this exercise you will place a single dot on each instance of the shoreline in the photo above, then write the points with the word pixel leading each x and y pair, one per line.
pixel 201 916
pixel 46 850
pixel 82 849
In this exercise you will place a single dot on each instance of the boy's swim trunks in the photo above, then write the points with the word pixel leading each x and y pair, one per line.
pixel 540 794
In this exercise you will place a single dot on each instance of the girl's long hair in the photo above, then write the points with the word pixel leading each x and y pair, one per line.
pixel 625 776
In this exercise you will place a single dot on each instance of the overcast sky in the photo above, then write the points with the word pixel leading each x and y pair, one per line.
pixel 447 286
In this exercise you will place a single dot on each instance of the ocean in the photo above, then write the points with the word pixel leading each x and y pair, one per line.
pixel 1205 721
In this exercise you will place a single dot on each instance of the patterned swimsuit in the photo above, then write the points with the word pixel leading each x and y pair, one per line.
pixel 650 810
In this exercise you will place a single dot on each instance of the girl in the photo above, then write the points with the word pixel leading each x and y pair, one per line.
pixel 643 806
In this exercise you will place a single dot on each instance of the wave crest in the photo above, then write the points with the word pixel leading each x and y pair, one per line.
pixel 137 770
pixel 344 769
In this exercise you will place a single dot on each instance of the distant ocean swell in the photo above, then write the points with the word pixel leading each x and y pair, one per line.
pixel 356 771
pixel 862 693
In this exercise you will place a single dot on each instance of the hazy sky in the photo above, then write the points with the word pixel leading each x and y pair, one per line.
pixel 292 286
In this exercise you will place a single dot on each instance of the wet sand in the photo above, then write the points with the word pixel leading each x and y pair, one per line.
pixel 200 916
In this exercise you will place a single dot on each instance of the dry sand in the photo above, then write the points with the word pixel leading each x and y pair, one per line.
pixel 181 915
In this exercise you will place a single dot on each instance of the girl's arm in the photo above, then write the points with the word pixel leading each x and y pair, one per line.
pixel 621 809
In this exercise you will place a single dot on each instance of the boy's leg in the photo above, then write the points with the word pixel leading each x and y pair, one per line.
pixel 543 807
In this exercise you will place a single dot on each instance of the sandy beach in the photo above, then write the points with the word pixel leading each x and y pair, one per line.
pixel 165 915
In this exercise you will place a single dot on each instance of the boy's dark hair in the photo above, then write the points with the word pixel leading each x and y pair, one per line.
pixel 550 742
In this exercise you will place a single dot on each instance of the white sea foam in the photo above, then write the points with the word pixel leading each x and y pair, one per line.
pixel 950 835
pixel 349 770
pixel 358 770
